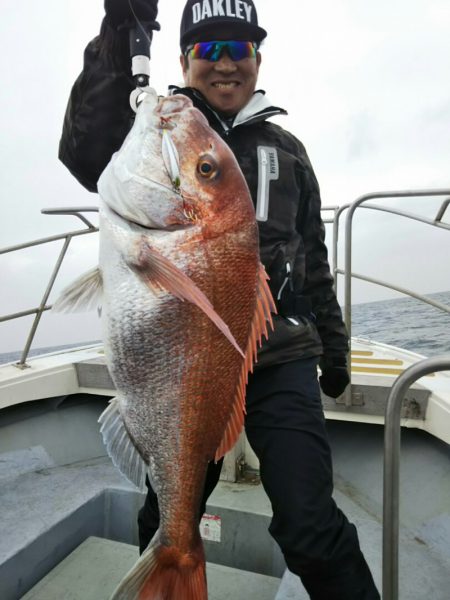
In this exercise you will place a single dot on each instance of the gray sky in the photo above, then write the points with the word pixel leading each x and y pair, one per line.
pixel 367 89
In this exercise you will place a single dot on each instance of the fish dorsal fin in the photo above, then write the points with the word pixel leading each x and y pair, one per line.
pixel 157 271
pixel 264 307
pixel 120 447
pixel 82 294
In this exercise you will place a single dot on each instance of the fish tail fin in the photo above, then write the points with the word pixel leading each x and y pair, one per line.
pixel 165 573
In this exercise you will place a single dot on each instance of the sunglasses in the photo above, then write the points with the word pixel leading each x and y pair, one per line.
pixel 212 51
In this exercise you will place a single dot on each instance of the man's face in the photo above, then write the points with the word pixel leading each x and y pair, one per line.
pixel 227 85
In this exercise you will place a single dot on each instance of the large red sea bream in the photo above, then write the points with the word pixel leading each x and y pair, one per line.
pixel 184 303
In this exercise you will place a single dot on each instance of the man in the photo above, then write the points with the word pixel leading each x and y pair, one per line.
pixel 285 425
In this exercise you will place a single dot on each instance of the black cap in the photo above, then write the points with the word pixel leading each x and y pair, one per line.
pixel 206 20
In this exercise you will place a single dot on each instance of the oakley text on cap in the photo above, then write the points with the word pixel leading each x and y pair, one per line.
pixel 204 17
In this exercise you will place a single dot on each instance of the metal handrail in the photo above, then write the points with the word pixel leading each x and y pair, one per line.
pixel 391 485
pixel 347 272
pixel 67 237
pixel 436 222
pixel 349 231
pixel 397 288
pixel 337 212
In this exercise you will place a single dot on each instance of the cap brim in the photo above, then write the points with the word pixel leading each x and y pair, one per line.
pixel 223 31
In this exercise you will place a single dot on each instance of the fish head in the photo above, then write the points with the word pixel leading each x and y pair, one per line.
pixel 173 171
pixel 210 180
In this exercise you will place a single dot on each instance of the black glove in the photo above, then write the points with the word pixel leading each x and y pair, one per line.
pixel 335 377
pixel 119 13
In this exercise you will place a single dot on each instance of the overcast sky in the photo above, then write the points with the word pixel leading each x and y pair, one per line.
pixel 367 88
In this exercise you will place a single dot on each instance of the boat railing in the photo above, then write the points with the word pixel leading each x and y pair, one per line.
pixel 43 306
pixel 361 202
pixel 350 209
pixel 335 221
pixel 391 471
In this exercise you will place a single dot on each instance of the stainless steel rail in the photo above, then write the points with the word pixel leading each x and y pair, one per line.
pixel 347 271
pixel 392 435
pixel 437 222
pixel 400 289
pixel 337 212
pixel 349 231
pixel 67 237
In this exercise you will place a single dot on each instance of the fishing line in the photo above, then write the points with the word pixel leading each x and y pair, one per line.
pixel 172 162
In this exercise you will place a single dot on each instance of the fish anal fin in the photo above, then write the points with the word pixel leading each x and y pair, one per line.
pixel 158 272
pixel 82 294
pixel 120 446
pixel 265 305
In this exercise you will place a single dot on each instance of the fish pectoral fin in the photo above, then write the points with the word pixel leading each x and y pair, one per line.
pixel 82 294
pixel 265 305
pixel 157 271
pixel 120 447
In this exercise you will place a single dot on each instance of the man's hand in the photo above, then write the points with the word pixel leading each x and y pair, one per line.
pixel 335 377
pixel 119 12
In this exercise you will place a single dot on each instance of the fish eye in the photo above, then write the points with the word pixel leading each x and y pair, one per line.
pixel 207 167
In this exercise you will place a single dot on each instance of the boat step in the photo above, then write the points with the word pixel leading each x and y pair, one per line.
pixel 92 571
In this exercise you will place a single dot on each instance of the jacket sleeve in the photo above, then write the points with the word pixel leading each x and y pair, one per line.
pixel 318 282
pixel 98 114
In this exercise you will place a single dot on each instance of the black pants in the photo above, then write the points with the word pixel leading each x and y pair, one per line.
pixel 285 426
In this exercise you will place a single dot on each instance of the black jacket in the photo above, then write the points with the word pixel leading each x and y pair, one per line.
pixel 280 177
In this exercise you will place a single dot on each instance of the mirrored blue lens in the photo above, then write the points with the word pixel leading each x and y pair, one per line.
pixel 213 50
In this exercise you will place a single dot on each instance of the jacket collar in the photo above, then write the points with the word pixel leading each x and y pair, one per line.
pixel 259 108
